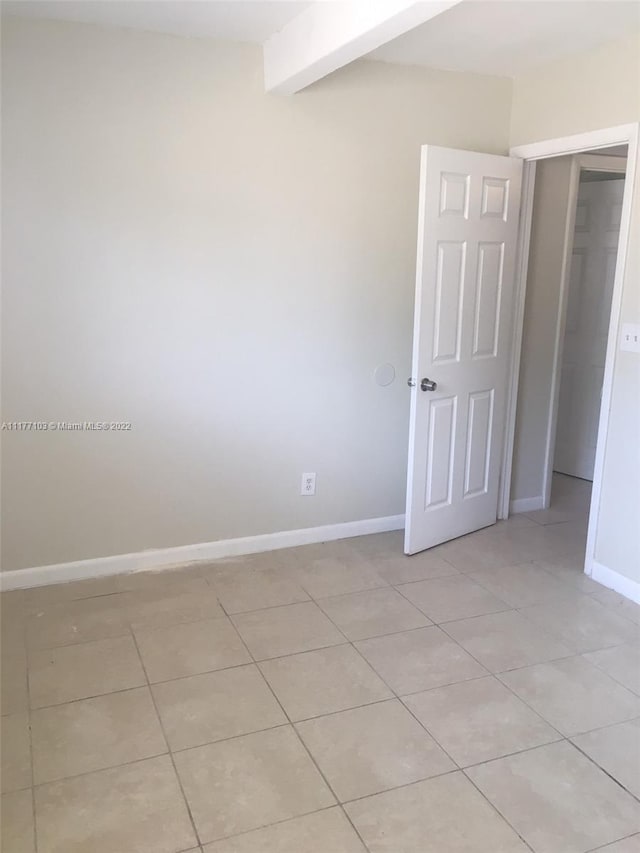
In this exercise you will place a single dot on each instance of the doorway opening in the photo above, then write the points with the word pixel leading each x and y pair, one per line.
pixel 594 250
pixel 574 236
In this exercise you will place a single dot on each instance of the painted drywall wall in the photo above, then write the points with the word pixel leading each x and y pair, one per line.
pixel 223 269
pixel 542 304
pixel 596 89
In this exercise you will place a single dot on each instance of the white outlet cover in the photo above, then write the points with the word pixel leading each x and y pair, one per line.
pixel 308 485
pixel 630 337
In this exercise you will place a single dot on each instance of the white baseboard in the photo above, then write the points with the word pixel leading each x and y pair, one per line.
pixel 614 580
pixel 165 558
pixel 526 504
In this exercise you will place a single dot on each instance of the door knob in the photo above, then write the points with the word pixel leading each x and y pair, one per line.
pixel 428 385
pixel 411 382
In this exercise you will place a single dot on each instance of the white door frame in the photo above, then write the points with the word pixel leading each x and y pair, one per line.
pixel 583 142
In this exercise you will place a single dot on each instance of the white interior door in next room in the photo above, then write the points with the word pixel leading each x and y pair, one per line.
pixel 467 233
pixel 593 267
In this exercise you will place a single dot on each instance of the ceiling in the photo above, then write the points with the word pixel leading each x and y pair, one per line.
pixel 235 20
pixel 508 38
pixel 502 37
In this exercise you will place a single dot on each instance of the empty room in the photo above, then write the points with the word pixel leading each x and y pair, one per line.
pixel 320 435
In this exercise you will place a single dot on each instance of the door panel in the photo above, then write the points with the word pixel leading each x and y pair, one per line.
pixel 449 292
pixel 480 420
pixel 488 293
pixel 468 218
pixel 593 267
pixel 442 428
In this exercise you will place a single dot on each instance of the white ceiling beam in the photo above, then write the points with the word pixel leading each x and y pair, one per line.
pixel 328 35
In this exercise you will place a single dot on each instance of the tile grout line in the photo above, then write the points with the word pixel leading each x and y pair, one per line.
pixel 72 776
pixel 600 767
pixel 267 826
pixel 297 734
pixel 498 812
pixel 166 740
pixel 435 740
pixel 316 600
pixel 488 673
pixel 339 803
pixel 393 692
pixel 492 806
pixel 562 738
pixel 29 710
pixel 347 642
pixel 617 841
pixel 457 767
pixel 506 609
pixel 295 723
pixel 617 680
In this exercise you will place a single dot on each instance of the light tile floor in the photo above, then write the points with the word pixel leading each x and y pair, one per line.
pixel 482 697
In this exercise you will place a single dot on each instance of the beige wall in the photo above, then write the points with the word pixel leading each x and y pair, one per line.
pixel 542 305
pixel 222 268
pixel 598 89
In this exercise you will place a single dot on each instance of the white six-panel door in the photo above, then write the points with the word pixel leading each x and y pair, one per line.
pixel 593 266
pixel 467 231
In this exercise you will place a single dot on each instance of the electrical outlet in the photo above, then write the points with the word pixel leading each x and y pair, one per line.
pixel 308 484
pixel 630 338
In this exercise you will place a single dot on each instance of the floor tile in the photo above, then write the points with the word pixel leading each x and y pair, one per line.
pixel 11 606
pixel 523 585
pixel 442 814
pixel 13 681
pixel 481 551
pixel 573 695
pixel 555 515
pixel 156 580
pixel 41 597
pixel 323 681
pixel 15 752
pixel 418 660
pixel 327 831
pixel 367 750
pixel 80 671
pixel 286 630
pixel 12 639
pixel 16 828
pixel 504 545
pixel 171 604
pixel 94 734
pixel 137 807
pixel 190 649
pixel 379 545
pixel 627 845
pixel 479 720
pixel 557 799
pixel 617 750
pixel 241 784
pixel 457 597
pixel 502 641
pixel 622 663
pixel 79 621
pixel 244 590
pixel 303 556
pixel 618 603
pixel 583 624
pixel 217 705
pixel 558 540
pixel 419 567
pixel 373 612
pixel 570 570
pixel 338 576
